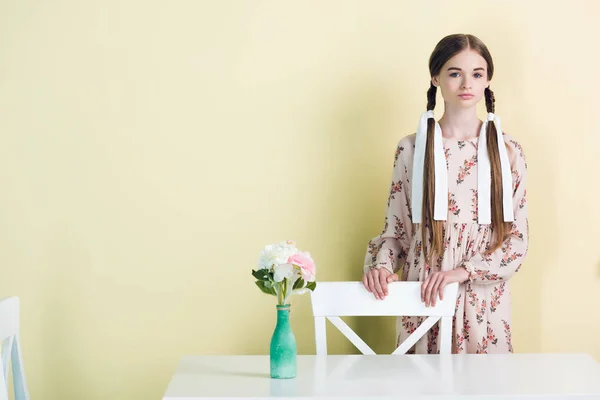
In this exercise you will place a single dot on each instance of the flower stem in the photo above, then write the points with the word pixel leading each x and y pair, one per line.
pixel 285 284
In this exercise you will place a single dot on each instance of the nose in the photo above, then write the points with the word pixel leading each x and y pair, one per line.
pixel 466 84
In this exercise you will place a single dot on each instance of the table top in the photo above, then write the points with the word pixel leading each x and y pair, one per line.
pixel 477 376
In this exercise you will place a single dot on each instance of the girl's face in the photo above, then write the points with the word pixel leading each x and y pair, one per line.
pixel 463 79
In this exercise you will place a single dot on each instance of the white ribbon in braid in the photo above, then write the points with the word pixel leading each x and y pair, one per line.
pixel 484 174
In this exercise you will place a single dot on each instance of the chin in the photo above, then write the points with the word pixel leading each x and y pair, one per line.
pixel 466 103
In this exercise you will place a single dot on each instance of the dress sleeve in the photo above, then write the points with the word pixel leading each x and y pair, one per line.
pixel 504 263
pixel 389 249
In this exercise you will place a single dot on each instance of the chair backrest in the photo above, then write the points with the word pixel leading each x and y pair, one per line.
pixel 332 300
pixel 11 349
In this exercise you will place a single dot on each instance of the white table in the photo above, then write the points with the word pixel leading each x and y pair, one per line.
pixel 510 376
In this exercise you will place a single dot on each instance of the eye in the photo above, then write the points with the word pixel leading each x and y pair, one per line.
pixel 478 75
pixel 454 74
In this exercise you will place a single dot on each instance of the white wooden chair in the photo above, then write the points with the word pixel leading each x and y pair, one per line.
pixel 332 300
pixel 11 350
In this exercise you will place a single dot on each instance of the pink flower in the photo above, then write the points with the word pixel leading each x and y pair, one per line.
pixel 306 264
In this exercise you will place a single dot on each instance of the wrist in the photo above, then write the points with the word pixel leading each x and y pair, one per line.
pixel 462 273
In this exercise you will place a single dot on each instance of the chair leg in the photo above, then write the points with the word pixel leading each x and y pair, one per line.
pixel 3 385
pixel 320 336
pixel 446 335
pixel 20 386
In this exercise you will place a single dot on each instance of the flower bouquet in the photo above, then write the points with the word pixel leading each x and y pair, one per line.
pixel 284 270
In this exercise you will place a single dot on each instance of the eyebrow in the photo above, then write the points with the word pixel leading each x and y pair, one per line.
pixel 458 69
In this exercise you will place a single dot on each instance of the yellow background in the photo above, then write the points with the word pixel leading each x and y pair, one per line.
pixel 150 149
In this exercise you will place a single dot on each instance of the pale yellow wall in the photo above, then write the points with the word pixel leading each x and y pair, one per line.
pixel 149 150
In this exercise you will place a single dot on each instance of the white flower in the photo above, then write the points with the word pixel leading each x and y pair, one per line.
pixel 283 271
pixel 276 254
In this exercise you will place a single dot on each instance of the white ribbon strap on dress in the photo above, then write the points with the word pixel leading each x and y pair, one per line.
pixel 484 174
pixel 441 172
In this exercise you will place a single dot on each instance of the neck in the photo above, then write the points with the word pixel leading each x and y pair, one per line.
pixel 460 124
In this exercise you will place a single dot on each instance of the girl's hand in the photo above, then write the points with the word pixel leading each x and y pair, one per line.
pixel 376 280
pixel 435 283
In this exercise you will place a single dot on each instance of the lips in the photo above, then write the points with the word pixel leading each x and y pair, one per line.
pixel 465 96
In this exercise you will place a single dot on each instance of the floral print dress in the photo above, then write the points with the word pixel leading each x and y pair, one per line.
pixel 482 322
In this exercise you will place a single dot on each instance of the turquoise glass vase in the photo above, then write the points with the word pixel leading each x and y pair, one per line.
pixel 283 346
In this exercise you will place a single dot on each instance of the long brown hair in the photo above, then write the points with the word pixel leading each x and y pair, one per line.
pixel 447 48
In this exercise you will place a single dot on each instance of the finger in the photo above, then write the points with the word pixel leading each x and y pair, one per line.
pixel 442 286
pixel 375 282
pixel 365 281
pixel 430 281
pixel 371 284
pixel 424 288
pixel 436 288
pixel 429 290
pixel 441 289
pixel 393 278
pixel 378 287
pixel 383 282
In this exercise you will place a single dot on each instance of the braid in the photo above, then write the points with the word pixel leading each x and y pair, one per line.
pixel 432 233
pixel 431 93
pixel 500 228
pixel 490 100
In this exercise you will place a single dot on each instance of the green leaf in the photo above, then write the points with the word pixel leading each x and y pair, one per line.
pixel 262 285
pixel 299 284
pixel 261 274
pixel 311 286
